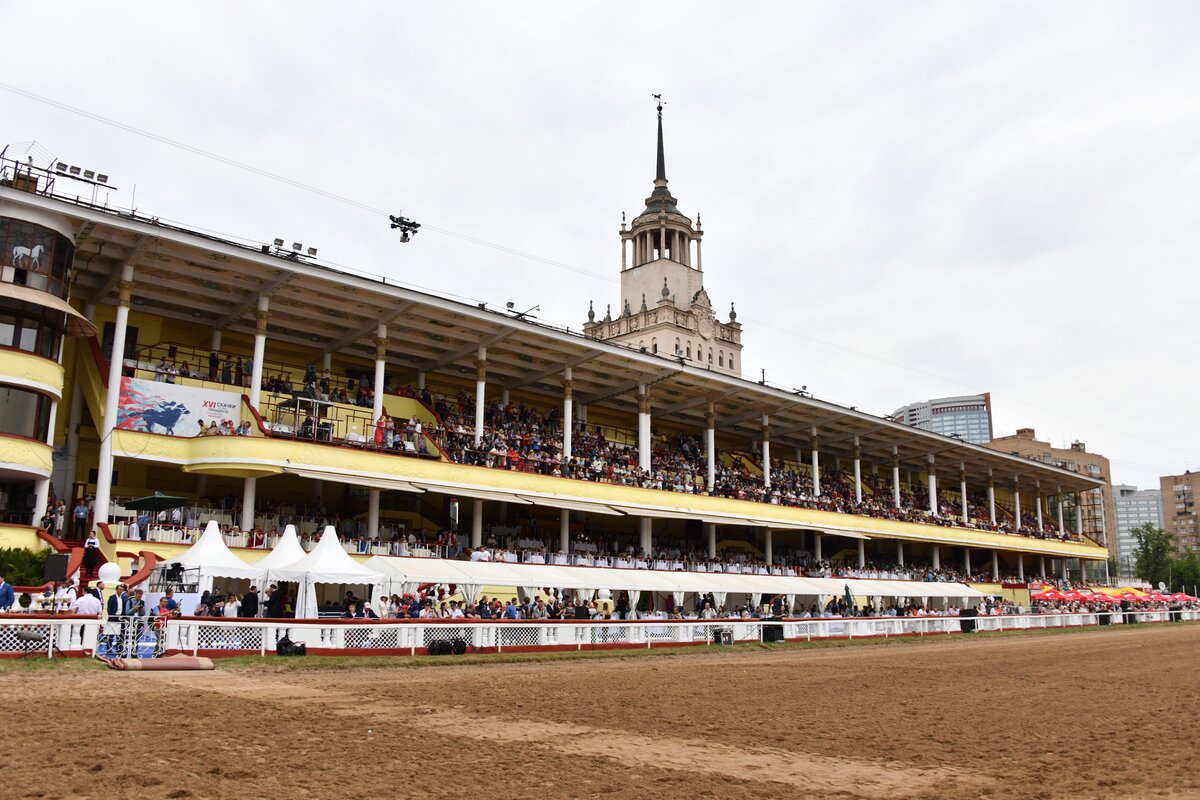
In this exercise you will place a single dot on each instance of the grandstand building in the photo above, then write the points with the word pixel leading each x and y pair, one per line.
pixel 265 388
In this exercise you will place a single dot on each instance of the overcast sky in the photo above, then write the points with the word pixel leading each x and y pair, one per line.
pixel 905 200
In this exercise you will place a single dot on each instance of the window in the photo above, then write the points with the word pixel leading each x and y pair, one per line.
pixel 731 362
pixel 32 328
pixel 720 358
pixel 24 413
pixel 33 256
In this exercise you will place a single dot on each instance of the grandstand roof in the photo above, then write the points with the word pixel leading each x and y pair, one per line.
pixel 200 278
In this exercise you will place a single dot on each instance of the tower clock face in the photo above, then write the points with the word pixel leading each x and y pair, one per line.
pixel 705 326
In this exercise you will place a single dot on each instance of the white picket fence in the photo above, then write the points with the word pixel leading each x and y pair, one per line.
pixel 86 636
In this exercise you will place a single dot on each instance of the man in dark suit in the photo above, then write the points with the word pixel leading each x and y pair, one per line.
pixel 7 596
pixel 249 606
pixel 115 608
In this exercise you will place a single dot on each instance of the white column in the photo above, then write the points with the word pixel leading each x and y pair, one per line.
pixel 1065 573
pixel 862 553
pixel 816 464
pixel 967 561
pixel 421 380
pixel 1103 522
pixel 1079 513
pixel 817 546
pixel 1062 528
pixel 216 340
pixel 991 498
pixel 380 366
pixel 937 557
pixel 326 361
pixel 1042 566
pixel 933 495
pixel 480 388
pixel 1017 503
pixel 1021 567
pixel 895 477
pixel 710 529
pixel 710 447
pixel 766 451
pixel 249 489
pixel 857 473
pixel 260 352
pixel 373 512
pixel 996 565
pixel 646 536
pixel 768 549
pixel 564 530
pixel 104 469
pixel 643 428
pixel 1038 506
pixel 568 412
pixel 962 492
pixel 900 552
pixel 476 523
pixel 504 398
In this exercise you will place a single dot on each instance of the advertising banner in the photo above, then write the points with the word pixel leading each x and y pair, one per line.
pixel 174 409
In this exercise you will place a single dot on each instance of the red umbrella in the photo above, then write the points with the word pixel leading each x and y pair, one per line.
pixel 1158 598
pixel 1074 596
pixel 1103 598
pixel 1050 595
pixel 1182 596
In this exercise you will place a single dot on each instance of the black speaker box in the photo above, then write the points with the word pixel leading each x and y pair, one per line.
pixel 56 567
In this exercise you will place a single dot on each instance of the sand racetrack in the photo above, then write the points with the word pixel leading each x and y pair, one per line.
pixel 1091 714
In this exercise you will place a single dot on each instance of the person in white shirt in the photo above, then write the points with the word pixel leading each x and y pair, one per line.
pixel 86 605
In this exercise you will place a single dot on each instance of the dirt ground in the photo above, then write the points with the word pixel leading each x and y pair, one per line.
pixel 1092 714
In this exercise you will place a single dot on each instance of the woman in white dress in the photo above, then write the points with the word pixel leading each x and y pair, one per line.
pixel 232 603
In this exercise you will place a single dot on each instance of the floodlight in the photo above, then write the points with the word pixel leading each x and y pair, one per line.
pixel 101 179
pixel 74 170
pixel 279 242
pixel 297 246
pixel 312 251
pixel 60 167
pixel 89 174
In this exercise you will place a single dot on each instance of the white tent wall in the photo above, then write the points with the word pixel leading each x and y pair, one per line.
pixel 327 563
pixel 211 558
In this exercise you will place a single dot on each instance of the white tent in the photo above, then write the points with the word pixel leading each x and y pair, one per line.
pixel 327 563
pixel 211 558
pixel 287 551
pixel 470 576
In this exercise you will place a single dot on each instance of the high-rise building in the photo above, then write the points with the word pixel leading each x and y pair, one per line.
pixel 1099 520
pixel 1134 507
pixel 664 308
pixel 968 417
pixel 1179 507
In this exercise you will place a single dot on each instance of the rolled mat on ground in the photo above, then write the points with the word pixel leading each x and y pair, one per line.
pixel 178 662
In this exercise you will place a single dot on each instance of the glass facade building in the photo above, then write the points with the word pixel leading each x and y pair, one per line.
pixel 1134 508
pixel 968 418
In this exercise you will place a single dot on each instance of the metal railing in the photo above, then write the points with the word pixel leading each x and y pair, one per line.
pixel 141 637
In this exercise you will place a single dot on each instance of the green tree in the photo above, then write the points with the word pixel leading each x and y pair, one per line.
pixel 1185 571
pixel 1154 553
pixel 22 567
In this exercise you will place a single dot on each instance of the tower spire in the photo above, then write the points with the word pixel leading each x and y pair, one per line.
pixel 660 177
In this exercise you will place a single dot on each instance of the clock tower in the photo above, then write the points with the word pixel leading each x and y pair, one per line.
pixel 664 308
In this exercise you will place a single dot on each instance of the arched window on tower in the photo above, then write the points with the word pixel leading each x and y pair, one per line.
pixel 720 358
pixel 710 355
pixel 689 350
pixel 654 344
pixel 731 361
pixel 678 348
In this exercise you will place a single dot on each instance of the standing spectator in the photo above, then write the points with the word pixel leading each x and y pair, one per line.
pixel 249 606
pixel 214 361
pixel 226 371
pixel 91 553
pixel 6 595
pixel 80 514
pixel 239 376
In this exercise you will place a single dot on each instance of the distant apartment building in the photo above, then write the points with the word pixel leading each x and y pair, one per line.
pixel 968 418
pixel 1134 507
pixel 1098 508
pixel 1179 507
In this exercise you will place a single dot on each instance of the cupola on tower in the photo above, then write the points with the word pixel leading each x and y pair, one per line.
pixel 664 308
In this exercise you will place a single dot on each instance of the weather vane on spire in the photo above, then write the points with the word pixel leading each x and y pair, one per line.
pixel 658 99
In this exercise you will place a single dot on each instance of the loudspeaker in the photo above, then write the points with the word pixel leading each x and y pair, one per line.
pixel 773 633
pixel 56 567
pixel 966 620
